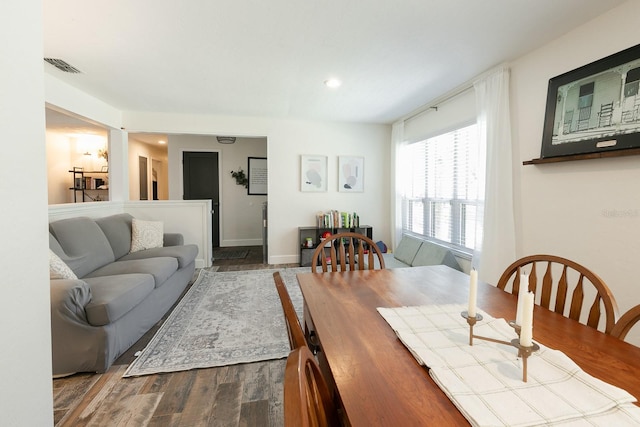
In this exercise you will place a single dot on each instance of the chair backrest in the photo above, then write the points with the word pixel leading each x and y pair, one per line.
pixel 307 401
pixel 561 285
pixel 339 251
pixel 626 322
pixel 294 330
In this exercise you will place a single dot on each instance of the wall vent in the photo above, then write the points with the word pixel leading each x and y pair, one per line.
pixel 62 65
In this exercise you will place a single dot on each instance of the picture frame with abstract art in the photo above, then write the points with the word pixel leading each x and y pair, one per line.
pixel 313 173
pixel 350 174
pixel 594 108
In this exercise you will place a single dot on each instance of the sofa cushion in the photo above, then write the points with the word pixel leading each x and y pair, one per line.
pixel 115 296
pixel 161 268
pixel 72 262
pixel 117 228
pixel 390 261
pixel 84 242
pixel 407 249
pixel 146 234
pixel 434 254
pixel 58 269
pixel 184 254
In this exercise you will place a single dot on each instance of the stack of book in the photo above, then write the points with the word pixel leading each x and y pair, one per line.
pixel 91 183
pixel 336 219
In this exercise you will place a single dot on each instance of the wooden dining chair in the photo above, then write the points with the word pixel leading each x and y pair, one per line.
pixel 346 251
pixel 294 330
pixel 562 285
pixel 307 401
pixel 626 322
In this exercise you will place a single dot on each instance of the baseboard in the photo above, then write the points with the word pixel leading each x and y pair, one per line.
pixel 284 259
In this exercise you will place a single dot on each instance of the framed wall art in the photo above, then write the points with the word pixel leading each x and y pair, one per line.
pixel 257 176
pixel 594 108
pixel 313 173
pixel 350 174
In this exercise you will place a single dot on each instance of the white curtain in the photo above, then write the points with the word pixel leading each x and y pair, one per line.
pixel 495 248
pixel 397 140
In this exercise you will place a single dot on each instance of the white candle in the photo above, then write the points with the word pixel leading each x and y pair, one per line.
pixel 473 292
pixel 524 288
pixel 526 330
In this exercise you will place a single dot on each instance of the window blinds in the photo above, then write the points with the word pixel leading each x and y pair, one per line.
pixel 441 187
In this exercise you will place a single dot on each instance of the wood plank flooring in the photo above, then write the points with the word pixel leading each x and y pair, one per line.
pixel 237 395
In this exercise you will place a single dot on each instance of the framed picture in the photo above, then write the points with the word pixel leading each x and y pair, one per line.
pixel 313 173
pixel 104 169
pixel 594 108
pixel 350 174
pixel 257 176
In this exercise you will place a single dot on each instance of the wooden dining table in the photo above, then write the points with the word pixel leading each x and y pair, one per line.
pixel 377 381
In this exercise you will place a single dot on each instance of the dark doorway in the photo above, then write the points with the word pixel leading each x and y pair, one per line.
pixel 201 181
pixel 144 192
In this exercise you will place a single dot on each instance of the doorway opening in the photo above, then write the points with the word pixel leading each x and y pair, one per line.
pixel 200 171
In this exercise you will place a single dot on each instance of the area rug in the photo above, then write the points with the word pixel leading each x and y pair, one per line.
pixel 225 318
pixel 231 254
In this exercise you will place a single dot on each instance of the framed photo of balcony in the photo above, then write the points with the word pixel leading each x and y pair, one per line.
pixel 594 108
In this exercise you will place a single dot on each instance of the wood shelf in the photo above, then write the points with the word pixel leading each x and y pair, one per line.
pixel 314 233
pixel 587 156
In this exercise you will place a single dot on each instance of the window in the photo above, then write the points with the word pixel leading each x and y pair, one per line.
pixel 441 188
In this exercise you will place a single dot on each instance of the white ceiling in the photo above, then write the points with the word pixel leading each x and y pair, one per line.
pixel 270 57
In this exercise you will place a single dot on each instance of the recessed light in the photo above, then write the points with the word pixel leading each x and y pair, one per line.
pixel 332 83
pixel 162 142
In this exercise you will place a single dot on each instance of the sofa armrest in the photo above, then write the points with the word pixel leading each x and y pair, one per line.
pixel 76 346
pixel 173 239
pixel 69 297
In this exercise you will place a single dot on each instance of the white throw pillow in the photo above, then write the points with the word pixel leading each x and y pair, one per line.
pixel 146 235
pixel 58 269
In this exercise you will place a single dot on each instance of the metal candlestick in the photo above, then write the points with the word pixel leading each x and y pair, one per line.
pixel 523 351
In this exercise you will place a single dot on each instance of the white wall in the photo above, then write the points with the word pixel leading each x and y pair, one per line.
pixel 137 149
pixel 588 210
pixel 289 208
pixel 26 397
pixel 59 180
pixel 287 140
pixel 240 213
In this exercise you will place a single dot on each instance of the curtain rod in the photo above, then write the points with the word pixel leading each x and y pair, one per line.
pixel 434 104
pixel 448 96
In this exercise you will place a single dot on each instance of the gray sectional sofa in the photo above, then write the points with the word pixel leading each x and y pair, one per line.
pixel 118 295
pixel 412 252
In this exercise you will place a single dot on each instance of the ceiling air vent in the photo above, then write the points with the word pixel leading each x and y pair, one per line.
pixel 62 65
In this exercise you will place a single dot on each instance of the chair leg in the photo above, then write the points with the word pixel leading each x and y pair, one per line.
pixel 313 342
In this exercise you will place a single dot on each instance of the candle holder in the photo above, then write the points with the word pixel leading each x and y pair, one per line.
pixel 523 351
pixel 471 321
pixel 516 328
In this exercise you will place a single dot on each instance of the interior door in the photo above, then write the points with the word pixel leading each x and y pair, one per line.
pixel 144 192
pixel 201 181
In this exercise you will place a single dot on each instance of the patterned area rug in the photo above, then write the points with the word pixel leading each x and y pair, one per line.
pixel 225 318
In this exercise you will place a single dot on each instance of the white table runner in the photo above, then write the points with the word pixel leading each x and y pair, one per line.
pixel 484 381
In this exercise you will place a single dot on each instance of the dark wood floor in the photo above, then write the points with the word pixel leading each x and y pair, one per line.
pixel 238 395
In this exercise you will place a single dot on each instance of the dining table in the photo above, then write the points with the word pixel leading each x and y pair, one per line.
pixel 376 380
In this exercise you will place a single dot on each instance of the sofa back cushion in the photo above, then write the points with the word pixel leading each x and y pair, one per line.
pixel 117 228
pixel 407 249
pixel 433 254
pixel 83 242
